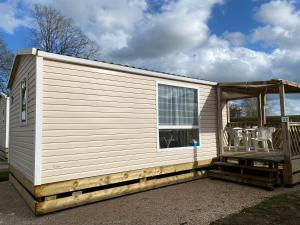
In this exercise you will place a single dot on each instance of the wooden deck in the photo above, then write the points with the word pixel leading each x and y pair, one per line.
pixel 256 156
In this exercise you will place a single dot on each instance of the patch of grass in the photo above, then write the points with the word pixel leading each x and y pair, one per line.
pixel 3 176
pixel 281 209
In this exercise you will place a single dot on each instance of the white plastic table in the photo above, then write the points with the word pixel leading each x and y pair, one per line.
pixel 248 135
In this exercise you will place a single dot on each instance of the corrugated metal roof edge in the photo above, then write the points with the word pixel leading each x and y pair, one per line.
pixel 105 65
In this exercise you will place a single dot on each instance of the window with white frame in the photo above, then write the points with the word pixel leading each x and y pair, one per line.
pixel 178 124
pixel 3 116
pixel 24 99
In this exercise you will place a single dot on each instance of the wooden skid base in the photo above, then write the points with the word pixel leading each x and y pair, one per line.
pixel 84 198
pixel 52 197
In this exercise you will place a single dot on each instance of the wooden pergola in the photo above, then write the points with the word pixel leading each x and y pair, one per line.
pixel 290 131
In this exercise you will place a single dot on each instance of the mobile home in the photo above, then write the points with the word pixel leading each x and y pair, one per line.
pixel 4 126
pixel 83 131
pixel 78 124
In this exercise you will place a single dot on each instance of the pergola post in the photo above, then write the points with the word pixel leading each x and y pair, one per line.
pixel 287 170
pixel 282 100
pixel 220 121
pixel 259 110
pixel 263 108
pixel 228 111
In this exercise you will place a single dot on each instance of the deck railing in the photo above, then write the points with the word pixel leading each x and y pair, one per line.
pixel 294 131
pixel 276 137
pixel 242 124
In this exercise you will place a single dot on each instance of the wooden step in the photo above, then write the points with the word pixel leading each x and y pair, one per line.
pixel 256 168
pixel 265 182
pixel 275 157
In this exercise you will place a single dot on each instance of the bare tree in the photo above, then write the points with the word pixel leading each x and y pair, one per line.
pixel 249 107
pixel 6 58
pixel 235 110
pixel 58 34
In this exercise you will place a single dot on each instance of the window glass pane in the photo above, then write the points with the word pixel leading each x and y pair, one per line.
pixel 174 138
pixel 23 100
pixel 177 105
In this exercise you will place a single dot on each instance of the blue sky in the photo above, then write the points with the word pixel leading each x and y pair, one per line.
pixel 220 40
pixel 236 15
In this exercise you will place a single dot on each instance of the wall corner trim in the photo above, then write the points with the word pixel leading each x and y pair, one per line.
pixel 38 120
pixel 7 122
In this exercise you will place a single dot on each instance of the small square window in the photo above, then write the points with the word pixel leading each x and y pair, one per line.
pixel 3 116
pixel 24 99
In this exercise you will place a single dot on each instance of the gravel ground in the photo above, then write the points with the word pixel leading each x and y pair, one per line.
pixel 3 166
pixel 197 202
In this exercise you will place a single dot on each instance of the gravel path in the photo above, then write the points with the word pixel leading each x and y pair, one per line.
pixel 197 202
pixel 3 166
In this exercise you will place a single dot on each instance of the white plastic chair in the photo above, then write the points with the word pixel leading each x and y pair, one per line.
pixel 235 135
pixel 169 140
pixel 271 132
pixel 264 134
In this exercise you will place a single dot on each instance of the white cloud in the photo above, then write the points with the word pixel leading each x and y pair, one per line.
pixel 281 28
pixel 281 24
pixel 11 18
pixel 216 59
pixel 181 26
pixel 278 13
pixel 292 104
pixel 235 38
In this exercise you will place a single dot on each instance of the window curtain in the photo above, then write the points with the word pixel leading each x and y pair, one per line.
pixel 178 106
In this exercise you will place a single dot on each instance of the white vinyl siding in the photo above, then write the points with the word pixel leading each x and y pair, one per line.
pixel 98 121
pixel 3 147
pixel 21 144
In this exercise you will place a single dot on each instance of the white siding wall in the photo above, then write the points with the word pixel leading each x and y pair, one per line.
pixel 3 146
pixel 97 121
pixel 21 144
